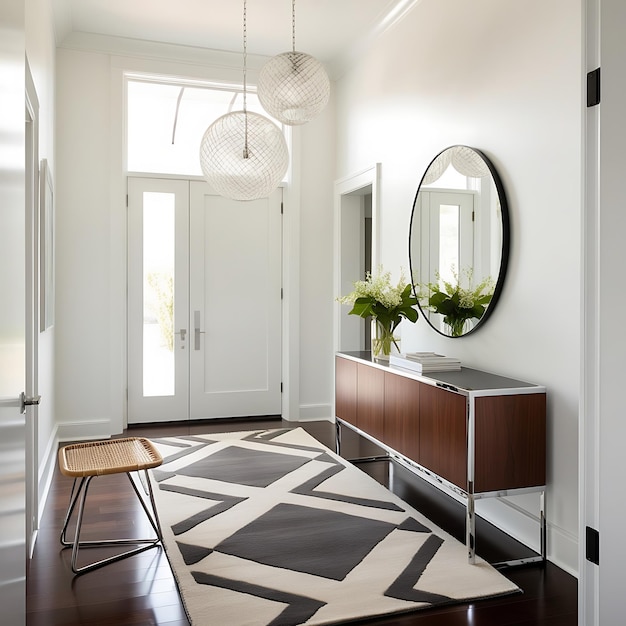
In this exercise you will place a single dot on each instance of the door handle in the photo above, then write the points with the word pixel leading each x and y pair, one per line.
pixel 196 330
pixel 28 401
pixel 182 332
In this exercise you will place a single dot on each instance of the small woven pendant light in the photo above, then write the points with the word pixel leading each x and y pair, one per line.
pixel 243 155
pixel 293 86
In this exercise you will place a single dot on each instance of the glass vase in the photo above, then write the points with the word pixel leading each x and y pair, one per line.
pixel 456 326
pixel 383 341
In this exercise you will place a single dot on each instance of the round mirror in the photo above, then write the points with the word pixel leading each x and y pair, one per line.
pixel 459 241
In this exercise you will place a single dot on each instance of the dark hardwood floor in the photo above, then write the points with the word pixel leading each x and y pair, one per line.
pixel 141 591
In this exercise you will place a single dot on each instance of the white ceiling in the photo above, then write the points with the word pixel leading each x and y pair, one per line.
pixel 326 29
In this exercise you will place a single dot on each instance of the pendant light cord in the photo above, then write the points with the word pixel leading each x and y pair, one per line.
pixel 293 25
pixel 245 67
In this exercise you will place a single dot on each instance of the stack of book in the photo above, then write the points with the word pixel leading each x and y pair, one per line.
pixel 425 362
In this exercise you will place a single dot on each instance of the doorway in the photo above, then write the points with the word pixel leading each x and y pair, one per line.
pixel 204 303
pixel 356 250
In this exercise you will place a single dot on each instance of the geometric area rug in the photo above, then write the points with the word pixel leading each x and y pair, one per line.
pixel 271 527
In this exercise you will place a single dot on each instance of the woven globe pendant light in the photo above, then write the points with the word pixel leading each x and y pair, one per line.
pixel 243 155
pixel 293 86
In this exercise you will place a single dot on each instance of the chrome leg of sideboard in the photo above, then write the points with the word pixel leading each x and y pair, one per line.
pixel 543 528
pixel 541 558
pixel 470 527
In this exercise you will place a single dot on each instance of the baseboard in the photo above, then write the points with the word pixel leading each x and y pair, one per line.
pixel 46 471
pixel 82 431
pixel 563 549
pixel 314 412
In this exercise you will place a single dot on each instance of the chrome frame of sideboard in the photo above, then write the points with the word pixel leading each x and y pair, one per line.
pixel 469 495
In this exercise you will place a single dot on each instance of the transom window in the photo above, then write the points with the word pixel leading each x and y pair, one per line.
pixel 166 121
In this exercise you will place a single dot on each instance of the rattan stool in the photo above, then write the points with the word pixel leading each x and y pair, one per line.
pixel 98 458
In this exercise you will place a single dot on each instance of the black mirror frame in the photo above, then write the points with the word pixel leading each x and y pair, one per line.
pixel 506 241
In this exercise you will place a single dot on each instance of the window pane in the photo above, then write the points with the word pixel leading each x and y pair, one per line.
pixel 160 140
pixel 158 294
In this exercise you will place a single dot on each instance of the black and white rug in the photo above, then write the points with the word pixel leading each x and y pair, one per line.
pixel 271 527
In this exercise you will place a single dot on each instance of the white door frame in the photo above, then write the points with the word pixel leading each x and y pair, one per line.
pixel 601 423
pixel 348 237
pixel 117 262
pixel 589 403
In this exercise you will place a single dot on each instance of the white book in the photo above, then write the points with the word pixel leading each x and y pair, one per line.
pixel 424 368
pixel 429 357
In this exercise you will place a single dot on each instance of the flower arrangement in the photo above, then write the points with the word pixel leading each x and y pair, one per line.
pixel 385 303
pixel 456 303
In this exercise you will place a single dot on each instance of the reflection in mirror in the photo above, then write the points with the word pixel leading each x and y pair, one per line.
pixel 459 241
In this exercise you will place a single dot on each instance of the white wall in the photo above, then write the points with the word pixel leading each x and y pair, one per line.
pixel 316 266
pixel 84 288
pixel 504 77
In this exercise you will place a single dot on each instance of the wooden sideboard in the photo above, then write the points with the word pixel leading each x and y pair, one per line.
pixel 469 432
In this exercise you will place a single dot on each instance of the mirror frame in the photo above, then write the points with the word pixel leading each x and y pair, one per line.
pixel 506 241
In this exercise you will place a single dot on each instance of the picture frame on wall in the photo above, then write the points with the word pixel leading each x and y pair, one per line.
pixel 46 245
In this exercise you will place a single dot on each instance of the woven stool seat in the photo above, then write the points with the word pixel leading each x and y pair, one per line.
pixel 114 456
pixel 85 461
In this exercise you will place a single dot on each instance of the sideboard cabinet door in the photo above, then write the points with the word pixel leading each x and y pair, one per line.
pixel 443 434
pixel 401 426
pixel 510 442
pixel 370 400
pixel 345 390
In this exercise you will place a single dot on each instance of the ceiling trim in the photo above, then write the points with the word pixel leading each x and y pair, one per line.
pixel 156 50
pixel 62 20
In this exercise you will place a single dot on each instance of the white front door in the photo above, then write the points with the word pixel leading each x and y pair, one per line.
pixel 235 302
pixel 204 303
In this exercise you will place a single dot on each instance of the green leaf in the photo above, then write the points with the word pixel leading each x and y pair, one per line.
pixel 362 307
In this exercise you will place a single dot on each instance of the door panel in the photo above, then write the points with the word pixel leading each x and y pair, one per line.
pixel 158 297
pixel 235 305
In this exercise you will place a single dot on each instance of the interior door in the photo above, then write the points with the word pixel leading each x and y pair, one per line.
pixel 13 346
pixel 33 189
pixel 235 305
pixel 204 303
